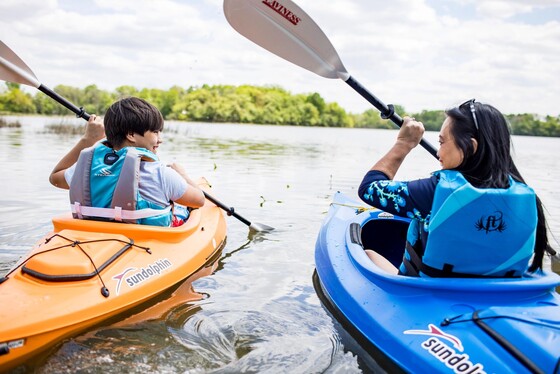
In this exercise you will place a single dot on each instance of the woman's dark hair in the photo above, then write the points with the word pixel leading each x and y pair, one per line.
pixel 491 165
pixel 130 115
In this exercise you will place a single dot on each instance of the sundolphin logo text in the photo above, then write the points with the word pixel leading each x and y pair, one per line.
pixel 141 275
pixel 282 10
pixel 459 362
pixel 119 278
pixel 435 331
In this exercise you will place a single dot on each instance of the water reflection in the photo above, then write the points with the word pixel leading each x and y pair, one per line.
pixel 140 340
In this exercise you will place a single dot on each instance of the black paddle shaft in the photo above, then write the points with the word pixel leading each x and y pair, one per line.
pixel 80 112
pixel 387 111
pixel 230 211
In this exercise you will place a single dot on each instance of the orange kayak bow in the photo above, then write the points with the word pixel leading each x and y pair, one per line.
pixel 85 272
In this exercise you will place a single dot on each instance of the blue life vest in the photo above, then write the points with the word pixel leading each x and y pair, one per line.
pixel 105 186
pixel 474 232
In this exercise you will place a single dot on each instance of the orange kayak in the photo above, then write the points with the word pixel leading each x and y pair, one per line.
pixel 85 272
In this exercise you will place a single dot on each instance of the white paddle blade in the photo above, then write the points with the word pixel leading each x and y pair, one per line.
pixel 260 227
pixel 13 69
pixel 283 28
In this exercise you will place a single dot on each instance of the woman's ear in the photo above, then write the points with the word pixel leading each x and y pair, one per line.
pixel 474 145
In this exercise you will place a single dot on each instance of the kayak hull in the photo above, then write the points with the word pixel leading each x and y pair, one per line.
pixel 430 324
pixel 85 272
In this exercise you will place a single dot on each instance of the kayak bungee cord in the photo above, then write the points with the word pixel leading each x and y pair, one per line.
pixel 131 243
pixel 475 318
pixel 359 209
pixel 104 289
pixel 500 339
pixel 77 243
pixel 507 345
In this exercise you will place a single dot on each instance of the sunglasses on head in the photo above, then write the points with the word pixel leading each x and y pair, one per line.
pixel 472 109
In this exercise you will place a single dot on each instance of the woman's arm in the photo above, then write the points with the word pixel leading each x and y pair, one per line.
pixel 406 199
pixel 408 138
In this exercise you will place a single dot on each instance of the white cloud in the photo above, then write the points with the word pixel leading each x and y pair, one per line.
pixel 508 8
pixel 405 51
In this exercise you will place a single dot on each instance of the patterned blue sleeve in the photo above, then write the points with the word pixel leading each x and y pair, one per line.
pixel 412 199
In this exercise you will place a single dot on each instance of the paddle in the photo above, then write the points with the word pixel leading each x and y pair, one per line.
pixel 13 69
pixel 258 227
pixel 284 29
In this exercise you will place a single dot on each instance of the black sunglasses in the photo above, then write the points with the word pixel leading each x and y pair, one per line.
pixel 472 109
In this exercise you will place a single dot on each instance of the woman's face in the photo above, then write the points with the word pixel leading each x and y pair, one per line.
pixel 450 156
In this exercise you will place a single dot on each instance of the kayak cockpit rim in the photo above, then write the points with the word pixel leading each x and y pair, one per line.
pixel 542 280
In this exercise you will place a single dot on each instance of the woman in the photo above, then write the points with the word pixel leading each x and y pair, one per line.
pixel 474 218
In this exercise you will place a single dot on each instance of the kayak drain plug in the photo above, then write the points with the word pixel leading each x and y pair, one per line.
pixel 104 291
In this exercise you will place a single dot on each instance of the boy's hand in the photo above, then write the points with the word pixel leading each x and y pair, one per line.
pixel 95 130
pixel 179 169
pixel 193 197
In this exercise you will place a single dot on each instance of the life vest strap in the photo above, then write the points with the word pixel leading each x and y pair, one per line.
pixel 447 272
pixel 117 214
pixel 411 271
pixel 414 264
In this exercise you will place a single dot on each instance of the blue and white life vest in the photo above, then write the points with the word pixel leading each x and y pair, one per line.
pixel 105 186
pixel 475 232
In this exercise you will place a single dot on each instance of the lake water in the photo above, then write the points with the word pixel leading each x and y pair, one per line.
pixel 256 309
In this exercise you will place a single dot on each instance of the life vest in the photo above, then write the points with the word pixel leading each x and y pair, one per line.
pixel 105 186
pixel 474 232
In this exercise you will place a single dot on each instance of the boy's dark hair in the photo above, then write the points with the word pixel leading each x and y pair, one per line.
pixel 130 115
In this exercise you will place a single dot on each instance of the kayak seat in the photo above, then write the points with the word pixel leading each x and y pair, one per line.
pixel 74 255
pixel 386 237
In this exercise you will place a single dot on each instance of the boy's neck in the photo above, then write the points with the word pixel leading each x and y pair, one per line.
pixel 124 144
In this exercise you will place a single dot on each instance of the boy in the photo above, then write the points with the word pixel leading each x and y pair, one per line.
pixel 121 178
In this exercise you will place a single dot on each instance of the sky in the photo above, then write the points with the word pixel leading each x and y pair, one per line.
pixel 420 54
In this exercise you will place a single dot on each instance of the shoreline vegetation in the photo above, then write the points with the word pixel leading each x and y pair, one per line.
pixel 271 105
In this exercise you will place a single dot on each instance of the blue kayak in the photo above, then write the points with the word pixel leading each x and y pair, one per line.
pixel 447 325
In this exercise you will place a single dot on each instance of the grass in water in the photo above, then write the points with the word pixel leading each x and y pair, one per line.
pixel 6 123
pixel 65 129
pixel 73 129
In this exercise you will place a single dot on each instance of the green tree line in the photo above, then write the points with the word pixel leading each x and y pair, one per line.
pixel 242 104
